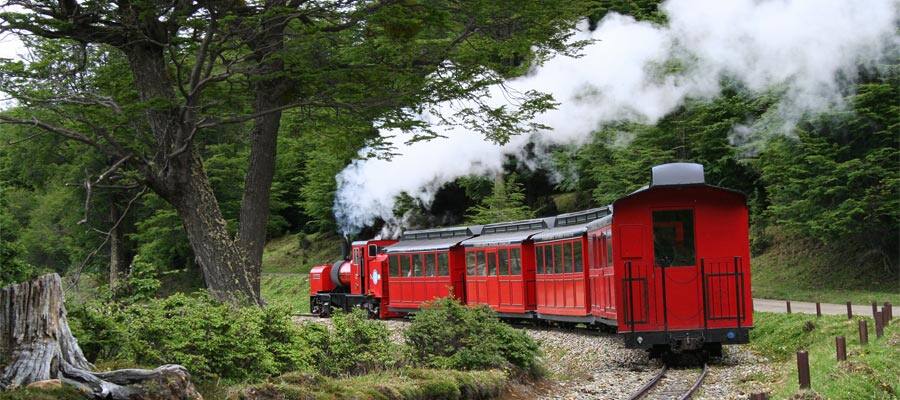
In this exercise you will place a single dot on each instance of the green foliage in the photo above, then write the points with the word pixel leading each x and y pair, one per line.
pixel 505 203
pixel 402 384
pixel 214 341
pixel 64 393
pixel 141 283
pixel 357 345
pixel 447 334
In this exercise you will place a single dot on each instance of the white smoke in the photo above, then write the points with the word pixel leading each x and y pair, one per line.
pixel 805 47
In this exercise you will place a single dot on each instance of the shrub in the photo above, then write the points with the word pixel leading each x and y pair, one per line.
pixel 449 335
pixel 356 346
pixel 212 340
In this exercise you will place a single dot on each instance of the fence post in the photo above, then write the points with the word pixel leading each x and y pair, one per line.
pixel 759 396
pixel 874 308
pixel 788 302
pixel 889 310
pixel 879 324
pixel 818 309
pixel 841 345
pixel 849 310
pixel 803 369
pixel 863 332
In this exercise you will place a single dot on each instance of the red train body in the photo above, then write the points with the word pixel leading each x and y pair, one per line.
pixel 667 266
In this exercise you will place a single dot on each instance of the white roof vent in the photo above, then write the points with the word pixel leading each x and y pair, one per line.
pixel 677 174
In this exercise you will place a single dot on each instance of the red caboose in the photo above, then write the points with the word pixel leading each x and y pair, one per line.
pixel 682 260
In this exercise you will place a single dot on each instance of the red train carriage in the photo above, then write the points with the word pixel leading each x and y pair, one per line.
pixel 681 257
pixel 561 281
pixel 348 283
pixel 500 267
pixel 425 265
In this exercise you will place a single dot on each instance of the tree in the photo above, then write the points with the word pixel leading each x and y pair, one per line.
pixel 506 203
pixel 147 84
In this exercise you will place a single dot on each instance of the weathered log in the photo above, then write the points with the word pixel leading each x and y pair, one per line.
pixel 37 345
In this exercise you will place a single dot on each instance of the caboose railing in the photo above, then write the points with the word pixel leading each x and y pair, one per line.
pixel 628 283
pixel 717 275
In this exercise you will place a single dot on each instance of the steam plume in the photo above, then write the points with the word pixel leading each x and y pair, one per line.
pixel 805 47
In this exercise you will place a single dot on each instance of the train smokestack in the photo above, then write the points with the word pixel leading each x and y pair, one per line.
pixel 345 247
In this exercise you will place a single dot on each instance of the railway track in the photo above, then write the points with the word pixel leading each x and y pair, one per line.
pixel 680 384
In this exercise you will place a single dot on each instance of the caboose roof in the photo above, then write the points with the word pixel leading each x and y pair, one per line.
pixel 573 224
pixel 505 233
pixel 433 239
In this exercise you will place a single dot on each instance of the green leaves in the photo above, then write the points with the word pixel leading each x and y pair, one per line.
pixel 506 203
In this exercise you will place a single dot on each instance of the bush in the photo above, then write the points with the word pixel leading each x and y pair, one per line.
pixel 356 346
pixel 449 335
pixel 212 340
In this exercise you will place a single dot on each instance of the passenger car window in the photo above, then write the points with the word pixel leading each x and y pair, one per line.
pixel 479 267
pixel 404 266
pixel 470 263
pixel 429 264
pixel 609 249
pixel 492 264
pixel 576 253
pixel 567 257
pixel 673 238
pixel 503 261
pixel 548 259
pixel 443 265
pixel 515 262
pixel 558 258
pixel 417 265
pixel 539 258
pixel 394 265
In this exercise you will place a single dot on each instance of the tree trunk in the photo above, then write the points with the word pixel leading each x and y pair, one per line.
pixel 116 245
pixel 270 95
pixel 36 345
pixel 222 260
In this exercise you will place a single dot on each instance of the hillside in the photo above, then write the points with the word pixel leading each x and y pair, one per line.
pixel 286 264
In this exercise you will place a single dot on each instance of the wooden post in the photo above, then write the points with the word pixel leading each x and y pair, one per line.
pixel 863 332
pixel 841 345
pixel 879 324
pixel 803 369
pixel 874 308
pixel 849 310
pixel 788 306
pixel 888 310
pixel 818 309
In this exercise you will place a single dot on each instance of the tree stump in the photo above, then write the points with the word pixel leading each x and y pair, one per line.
pixel 36 345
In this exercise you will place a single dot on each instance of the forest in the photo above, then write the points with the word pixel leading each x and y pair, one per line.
pixel 150 152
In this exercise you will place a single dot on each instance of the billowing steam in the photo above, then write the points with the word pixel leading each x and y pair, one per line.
pixel 807 48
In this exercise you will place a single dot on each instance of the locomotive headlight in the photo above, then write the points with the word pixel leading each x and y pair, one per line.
pixel 640 339
pixel 730 335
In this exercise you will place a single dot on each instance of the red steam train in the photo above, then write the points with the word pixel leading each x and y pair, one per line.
pixel 667 267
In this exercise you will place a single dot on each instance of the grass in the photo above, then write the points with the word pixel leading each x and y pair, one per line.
pixel 870 372
pixel 286 264
pixel 286 290
pixel 63 393
pixel 403 384
pixel 797 272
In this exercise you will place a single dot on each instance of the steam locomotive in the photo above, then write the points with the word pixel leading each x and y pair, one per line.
pixel 667 267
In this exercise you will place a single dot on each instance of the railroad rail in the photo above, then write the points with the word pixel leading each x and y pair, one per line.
pixel 670 390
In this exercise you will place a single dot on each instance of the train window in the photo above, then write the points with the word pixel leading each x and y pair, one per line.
pixel 404 266
pixel 373 250
pixel 515 262
pixel 503 261
pixel 673 237
pixel 479 265
pixel 429 264
pixel 609 249
pixel 492 264
pixel 443 265
pixel 470 263
pixel 567 257
pixel 548 259
pixel 539 258
pixel 394 265
pixel 558 258
pixel 417 264
pixel 576 252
